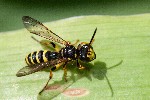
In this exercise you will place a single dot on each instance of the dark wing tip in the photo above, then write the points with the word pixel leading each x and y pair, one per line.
pixel 28 20
pixel 25 18
pixel 23 71
pixel 20 74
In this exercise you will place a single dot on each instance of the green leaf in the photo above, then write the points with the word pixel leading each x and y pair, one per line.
pixel 118 38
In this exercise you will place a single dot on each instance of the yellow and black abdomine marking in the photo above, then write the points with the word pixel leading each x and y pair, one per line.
pixel 41 56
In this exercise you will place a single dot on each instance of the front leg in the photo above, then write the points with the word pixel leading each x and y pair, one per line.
pixel 75 44
pixel 79 65
pixel 65 71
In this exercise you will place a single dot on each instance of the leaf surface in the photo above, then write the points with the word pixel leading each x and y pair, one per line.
pixel 125 38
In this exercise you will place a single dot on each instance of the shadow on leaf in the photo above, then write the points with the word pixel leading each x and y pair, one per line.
pixel 98 70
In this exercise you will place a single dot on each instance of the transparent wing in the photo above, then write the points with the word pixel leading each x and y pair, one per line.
pixel 38 28
pixel 37 67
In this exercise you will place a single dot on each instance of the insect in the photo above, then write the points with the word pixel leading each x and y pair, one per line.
pixel 39 60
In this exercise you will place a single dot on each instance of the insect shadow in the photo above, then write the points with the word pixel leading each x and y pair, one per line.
pixel 97 70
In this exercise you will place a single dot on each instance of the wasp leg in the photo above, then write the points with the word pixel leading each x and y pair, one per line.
pixel 50 77
pixel 57 66
pixel 65 71
pixel 64 68
pixel 75 44
pixel 79 65
pixel 47 43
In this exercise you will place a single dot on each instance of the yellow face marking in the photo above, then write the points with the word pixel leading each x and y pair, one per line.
pixel 90 50
pixel 91 54
pixel 44 58
pixel 31 58
pixel 37 57
pixel 26 59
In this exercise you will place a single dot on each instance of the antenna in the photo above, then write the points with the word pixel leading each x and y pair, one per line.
pixel 93 36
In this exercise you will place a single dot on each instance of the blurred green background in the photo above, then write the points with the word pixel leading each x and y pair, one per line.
pixel 11 11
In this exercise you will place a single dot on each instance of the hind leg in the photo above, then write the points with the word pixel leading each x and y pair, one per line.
pixel 50 77
pixel 64 68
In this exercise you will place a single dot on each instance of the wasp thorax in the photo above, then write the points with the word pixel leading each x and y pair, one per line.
pixel 86 52
pixel 68 52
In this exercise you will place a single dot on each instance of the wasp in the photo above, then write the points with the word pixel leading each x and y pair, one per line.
pixel 39 60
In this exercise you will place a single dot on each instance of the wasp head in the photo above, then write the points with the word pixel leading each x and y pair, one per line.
pixel 85 50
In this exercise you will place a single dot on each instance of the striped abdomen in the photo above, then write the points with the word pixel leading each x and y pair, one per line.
pixel 41 56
